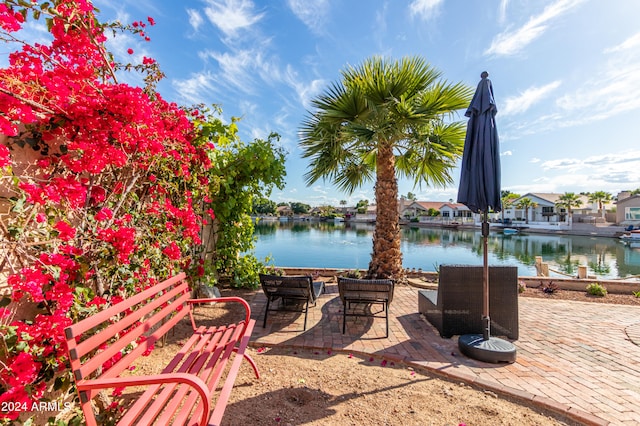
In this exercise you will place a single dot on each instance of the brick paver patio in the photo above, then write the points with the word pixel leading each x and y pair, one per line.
pixel 579 358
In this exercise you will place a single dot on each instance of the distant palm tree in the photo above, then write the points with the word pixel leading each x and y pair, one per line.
pixel 385 117
pixel 526 204
pixel 568 200
pixel 600 197
pixel 507 200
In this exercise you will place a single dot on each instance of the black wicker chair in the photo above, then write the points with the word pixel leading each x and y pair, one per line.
pixel 368 292
pixel 298 288
pixel 456 307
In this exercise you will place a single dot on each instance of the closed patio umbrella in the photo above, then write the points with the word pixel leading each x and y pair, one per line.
pixel 479 190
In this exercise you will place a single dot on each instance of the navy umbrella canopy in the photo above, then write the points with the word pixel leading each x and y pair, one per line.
pixel 480 174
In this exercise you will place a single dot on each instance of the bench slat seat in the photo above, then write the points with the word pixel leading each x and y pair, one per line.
pixel 188 390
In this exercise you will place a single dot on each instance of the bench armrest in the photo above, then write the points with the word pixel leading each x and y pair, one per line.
pixel 247 308
pixel 189 379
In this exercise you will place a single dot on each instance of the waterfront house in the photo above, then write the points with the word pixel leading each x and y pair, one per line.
pixel 628 209
pixel 284 211
pixel 546 210
pixel 421 211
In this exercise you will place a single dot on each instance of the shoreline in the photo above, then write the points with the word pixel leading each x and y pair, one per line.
pixel 429 280
pixel 605 230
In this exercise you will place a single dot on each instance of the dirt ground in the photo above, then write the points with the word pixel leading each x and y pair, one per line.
pixel 305 387
pixel 299 386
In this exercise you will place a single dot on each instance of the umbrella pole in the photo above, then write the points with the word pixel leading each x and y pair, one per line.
pixel 486 321
pixel 483 347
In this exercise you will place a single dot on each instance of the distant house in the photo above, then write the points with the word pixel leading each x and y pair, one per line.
pixel 447 211
pixel 628 209
pixel 284 211
pixel 546 209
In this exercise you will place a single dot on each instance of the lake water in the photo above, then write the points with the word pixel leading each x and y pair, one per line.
pixel 349 246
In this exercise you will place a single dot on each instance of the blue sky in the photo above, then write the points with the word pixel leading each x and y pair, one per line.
pixel 566 74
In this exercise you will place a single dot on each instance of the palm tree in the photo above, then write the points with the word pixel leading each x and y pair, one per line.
pixel 567 201
pixel 507 200
pixel 600 197
pixel 526 204
pixel 385 117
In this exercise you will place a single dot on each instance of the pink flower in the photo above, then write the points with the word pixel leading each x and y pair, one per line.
pixel 151 20
pixel 172 251
pixel 5 156
pixel 104 214
pixel 65 231
pixel 130 51
pixel 24 369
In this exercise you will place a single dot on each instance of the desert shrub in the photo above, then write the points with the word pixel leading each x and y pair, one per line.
pixel 355 273
pixel 596 289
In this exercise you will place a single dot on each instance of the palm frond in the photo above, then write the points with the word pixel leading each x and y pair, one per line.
pixel 402 103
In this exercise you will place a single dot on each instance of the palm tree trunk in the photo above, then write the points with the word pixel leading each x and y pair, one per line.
pixel 386 260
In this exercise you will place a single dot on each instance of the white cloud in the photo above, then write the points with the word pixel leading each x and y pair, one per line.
pixel 630 43
pixel 425 9
pixel 312 13
pixel 502 11
pixel 236 68
pixel 321 189
pixel 524 101
pixel 513 41
pixel 612 173
pixel 534 160
pixel 614 90
pixel 231 16
pixel 305 91
pixel 195 19
pixel 567 164
pixel 506 154
pixel 196 89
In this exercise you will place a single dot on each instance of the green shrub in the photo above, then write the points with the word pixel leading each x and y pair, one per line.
pixel 636 293
pixel 355 273
pixel 272 270
pixel 596 289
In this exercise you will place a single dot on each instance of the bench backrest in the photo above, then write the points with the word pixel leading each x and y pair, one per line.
pixel 363 289
pixel 95 343
pixel 292 286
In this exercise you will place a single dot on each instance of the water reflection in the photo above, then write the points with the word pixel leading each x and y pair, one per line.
pixel 348 245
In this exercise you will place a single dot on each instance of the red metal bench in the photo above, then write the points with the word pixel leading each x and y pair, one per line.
pixel 187 390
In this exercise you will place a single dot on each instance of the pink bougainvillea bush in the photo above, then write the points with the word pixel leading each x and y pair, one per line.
pixel 111 201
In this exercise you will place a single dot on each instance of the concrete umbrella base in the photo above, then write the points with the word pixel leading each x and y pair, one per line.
pixel 492 350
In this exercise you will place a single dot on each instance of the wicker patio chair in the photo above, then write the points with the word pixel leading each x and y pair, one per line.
pixel 298 288
pixel 456 307
pixel 368 292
